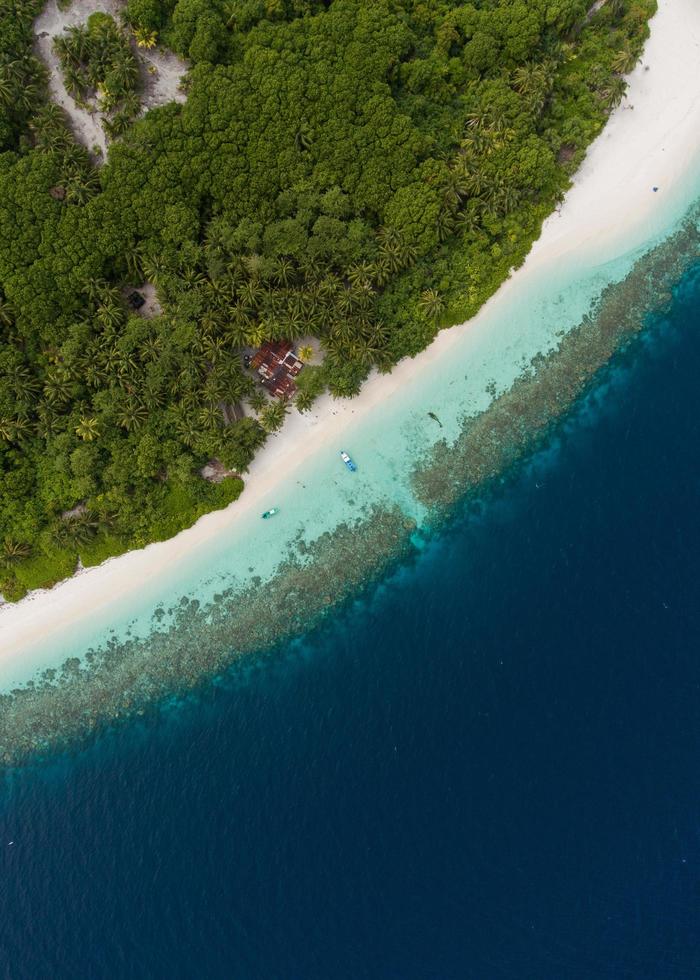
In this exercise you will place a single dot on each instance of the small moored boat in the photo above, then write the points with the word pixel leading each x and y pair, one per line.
pixel 348 462
pixel 270 513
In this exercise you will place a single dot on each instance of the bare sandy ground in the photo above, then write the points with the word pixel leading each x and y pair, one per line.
pixel 610 208
pixel 160 85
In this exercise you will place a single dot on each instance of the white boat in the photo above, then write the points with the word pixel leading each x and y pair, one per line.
pixel 348 462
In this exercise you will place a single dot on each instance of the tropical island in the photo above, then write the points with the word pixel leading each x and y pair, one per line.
pixel 343 180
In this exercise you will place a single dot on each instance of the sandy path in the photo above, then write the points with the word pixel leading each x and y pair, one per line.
pixel 159 87
pixel 610 208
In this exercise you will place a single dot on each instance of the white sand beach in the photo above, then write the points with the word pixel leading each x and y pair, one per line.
pixel 651 141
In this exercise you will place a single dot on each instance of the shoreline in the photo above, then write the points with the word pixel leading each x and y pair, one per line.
pixel 610 209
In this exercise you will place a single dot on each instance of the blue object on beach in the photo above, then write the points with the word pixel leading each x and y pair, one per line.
pixel 655 189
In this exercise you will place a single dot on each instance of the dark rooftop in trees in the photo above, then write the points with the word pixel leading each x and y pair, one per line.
pixel 136 300
pixel 277 366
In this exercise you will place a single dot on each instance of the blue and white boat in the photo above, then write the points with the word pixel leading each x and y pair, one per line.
pixel 348 462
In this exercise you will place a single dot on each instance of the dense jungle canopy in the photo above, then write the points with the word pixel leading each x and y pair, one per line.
pixel 363 171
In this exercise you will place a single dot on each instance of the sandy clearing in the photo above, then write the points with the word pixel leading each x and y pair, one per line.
pixel 160 85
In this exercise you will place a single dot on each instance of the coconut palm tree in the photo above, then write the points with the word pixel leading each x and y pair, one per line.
pixel 361 274
pixel 155 268
pixel 186 429
pixel 78 529
pixel 210 418
pixel 133 415
pixel 6 314
pixel 614 93
pixel 431 303
pixel 258 400
pixel 527 78
pixel 110 315
pixel 624 61
pixel 24 385
pixel 284 272
pixel 7 430
pixel 145 39
pixel 445 224
pixel 13 552
pixel 306 353
pixel 58 387
pixel 87 429
pixel 273 415
pixel 151 348
pixel 304 400
pixel 7 88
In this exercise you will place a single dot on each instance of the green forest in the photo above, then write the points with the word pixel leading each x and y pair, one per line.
pixel 363 171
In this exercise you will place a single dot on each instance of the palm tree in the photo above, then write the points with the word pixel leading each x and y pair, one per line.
pixel 251 294
pixel 258 400
pixel 527 78
pixel 361 274
pixel 304 400
pixel 445 224
pixel 6 315
pixel 87 429
pixel 255 266
pixel 133 415
pixel 273 415
pixel 7 430
pixel 58 387
pixel 390 252
pixel 507 198
pixel 213 348
pixel 210 417
pixel 155 268
pixel 455 188
pixel 110 315
pixel 151 348
pixel 187 430
pixel 431 303
pixel 124 72
pixel 7 88
pixel 615 92
pixel 306 353
pixel 624 61
pixel 362 352
pixel 284 272
pixel 94 289
pixel 145 38
pixel 78 529
pixel 257 335
pixel 13 552
pixel 478 118
pixel 48 423
pixel 25 385
pixel 22 427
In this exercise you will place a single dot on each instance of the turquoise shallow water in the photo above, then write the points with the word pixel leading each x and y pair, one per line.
pixel 484 768
pixel 528 319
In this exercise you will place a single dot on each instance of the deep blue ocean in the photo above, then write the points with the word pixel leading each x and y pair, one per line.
pixel 487 768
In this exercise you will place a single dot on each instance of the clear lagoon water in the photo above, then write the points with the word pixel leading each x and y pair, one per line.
pixel 486 768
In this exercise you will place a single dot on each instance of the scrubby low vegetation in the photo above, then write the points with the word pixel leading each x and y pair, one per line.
pixel 365 172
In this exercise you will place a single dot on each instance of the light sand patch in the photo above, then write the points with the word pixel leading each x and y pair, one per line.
pixel 161 71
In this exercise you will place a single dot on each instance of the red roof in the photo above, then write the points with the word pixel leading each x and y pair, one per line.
pixel 277 365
